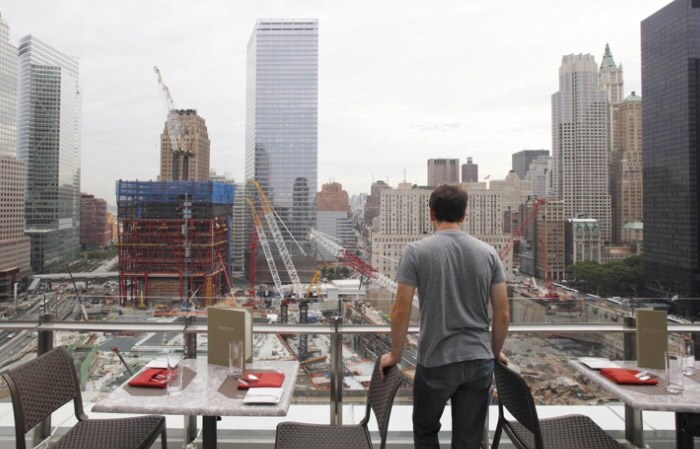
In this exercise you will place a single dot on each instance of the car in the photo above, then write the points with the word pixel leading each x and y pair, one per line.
pixel 11 335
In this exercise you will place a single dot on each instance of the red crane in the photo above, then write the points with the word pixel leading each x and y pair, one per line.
pixel 503 254
pixel 251 269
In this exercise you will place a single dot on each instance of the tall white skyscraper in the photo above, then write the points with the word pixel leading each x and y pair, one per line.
pixel 14 245
pixel 48 141
pixel 282 121
pixel 580 142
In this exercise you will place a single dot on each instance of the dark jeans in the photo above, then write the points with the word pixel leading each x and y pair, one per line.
pixel 467 385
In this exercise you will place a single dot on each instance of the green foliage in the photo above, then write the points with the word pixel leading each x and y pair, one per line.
pixel 619 278
pixel 331 273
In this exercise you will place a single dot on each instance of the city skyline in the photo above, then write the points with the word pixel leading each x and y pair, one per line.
pixel 476 82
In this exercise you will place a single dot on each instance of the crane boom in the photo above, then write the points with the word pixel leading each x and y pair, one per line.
pixel 355 262
pixel 269 214
pixel 262 238
pixel 172 124
pixel 503 254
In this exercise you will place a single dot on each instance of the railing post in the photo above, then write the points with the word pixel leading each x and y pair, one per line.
pixel 629 342
pixel 190 352
pixel 336 372
pixel 634 427
pixel 44 345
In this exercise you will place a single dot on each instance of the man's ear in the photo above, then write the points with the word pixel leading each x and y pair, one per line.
pixel 432 214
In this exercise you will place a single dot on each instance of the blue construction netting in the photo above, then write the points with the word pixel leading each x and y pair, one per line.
pixel 172 191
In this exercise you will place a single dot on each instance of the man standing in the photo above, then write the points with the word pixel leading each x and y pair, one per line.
pixel 456 276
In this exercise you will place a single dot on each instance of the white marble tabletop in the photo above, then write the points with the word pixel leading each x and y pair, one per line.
pixel 686 402
pixel 208 392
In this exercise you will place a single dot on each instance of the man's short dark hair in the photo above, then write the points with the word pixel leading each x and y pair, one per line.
pixel 448 202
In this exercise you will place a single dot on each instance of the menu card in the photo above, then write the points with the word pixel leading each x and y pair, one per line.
pixel 652 338
pixel 225 324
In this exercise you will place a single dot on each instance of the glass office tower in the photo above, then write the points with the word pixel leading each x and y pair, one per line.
pixel 48 141
pixel 282 121
pixel 8 92
pixel 671 151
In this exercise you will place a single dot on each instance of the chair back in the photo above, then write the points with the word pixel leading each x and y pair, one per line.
pixel 381 397
pixel 514 394
pixel 41 386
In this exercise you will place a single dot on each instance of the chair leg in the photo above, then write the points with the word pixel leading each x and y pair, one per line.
pixel 497 435
pixel 163 438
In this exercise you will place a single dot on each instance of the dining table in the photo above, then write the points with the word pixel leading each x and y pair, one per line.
pixel 637 398
pixel 207 391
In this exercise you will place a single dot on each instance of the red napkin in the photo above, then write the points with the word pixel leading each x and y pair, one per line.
pixel 265 379
pixel 151 377
pixel 626 376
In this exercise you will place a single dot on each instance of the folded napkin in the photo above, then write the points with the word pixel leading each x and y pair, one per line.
pixel 265 380
pixel 627 376
pixel 263 396
pixel 151 377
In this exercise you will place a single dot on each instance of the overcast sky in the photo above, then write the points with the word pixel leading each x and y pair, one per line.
pixel 399 81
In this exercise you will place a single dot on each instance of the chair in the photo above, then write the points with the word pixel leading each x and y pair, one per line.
pixel 529 432
pixel 321 436
pixel 43 385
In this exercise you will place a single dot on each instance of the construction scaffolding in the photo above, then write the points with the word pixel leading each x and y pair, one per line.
pixel 174 241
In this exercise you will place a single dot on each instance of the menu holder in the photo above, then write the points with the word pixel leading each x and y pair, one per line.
pixel 652 338
pixel 223 325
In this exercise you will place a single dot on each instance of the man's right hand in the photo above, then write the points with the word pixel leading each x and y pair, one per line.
pixel 387 360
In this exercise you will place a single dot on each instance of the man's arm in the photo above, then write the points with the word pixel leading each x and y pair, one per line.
pixel 400 316
pixel 501 319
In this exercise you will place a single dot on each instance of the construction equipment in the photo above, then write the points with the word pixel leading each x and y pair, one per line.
pixel 252 270
pixel 262 238
pixel 269 214
pixel 314 280
pixel 355 262
pixel 175 135
pixel 503 254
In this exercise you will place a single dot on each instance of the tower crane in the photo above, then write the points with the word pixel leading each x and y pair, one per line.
pixel 172 124
pixel 269 214
pixel 262 238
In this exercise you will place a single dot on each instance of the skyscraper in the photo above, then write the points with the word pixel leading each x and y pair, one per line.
pixel 332 197
pixel 48 141
pixel 14 245
pixel 580 142
pixel 671 148
pixel 470 171
pixel 94 229
pixel 626 185
pixel 442 171
pixel 282 120
pixel 610 79
pixel 521 160
pixel 191 160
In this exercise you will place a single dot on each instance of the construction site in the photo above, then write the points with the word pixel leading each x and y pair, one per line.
pixel 174 241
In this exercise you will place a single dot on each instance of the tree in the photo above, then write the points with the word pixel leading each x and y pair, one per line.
pixel 618 278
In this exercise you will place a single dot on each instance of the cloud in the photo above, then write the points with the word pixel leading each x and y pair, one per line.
pixel 439 127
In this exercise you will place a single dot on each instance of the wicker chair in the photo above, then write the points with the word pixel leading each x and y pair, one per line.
pixel 292 435
pixel 529 432
pixel 43 385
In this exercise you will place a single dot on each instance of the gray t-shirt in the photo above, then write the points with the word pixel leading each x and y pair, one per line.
pixel 453 273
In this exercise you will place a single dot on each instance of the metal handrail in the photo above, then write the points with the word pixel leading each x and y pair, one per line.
pixel 350 329
pixel 336 330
